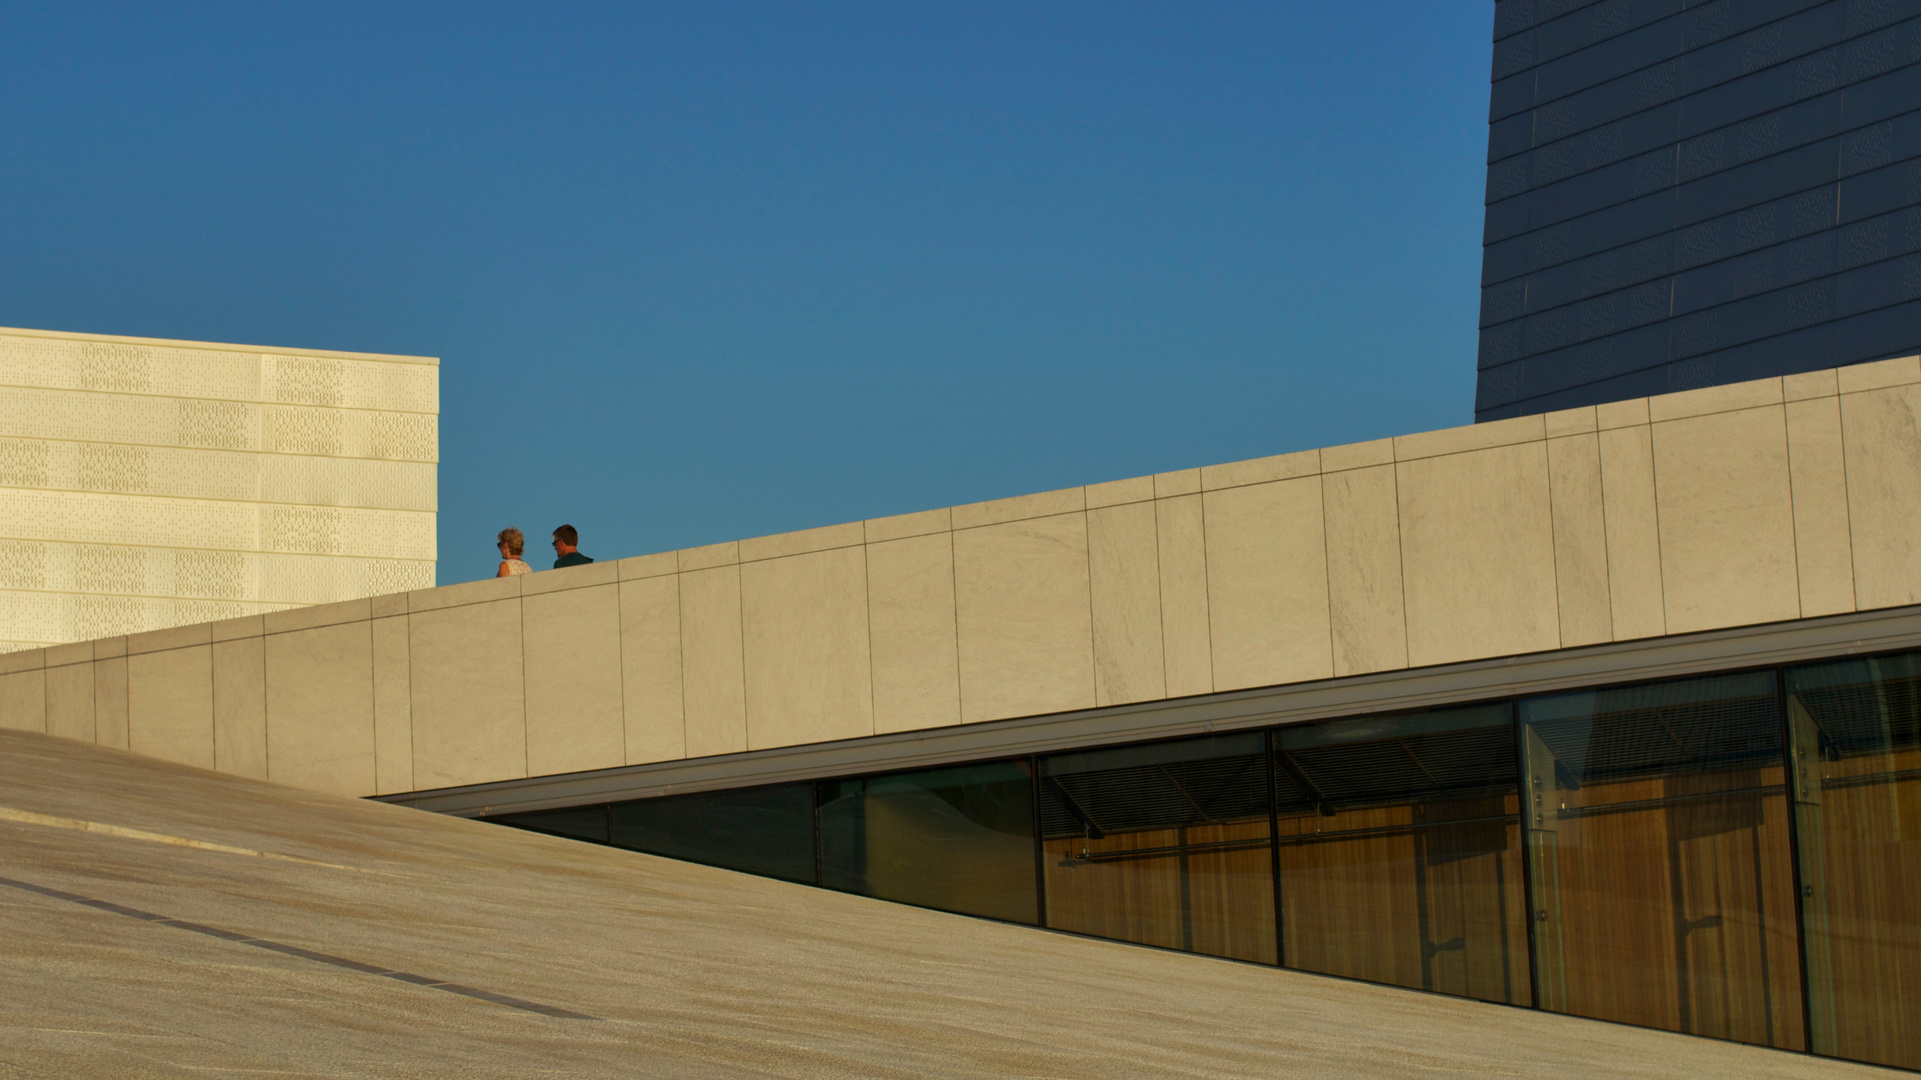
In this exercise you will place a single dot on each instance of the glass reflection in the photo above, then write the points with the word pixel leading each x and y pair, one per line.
pixel 1856 755
pixel 1164 844
pixel 573 822
pixel 1399 851
pixel 958 839
pixel 759 830
pixel 1663 894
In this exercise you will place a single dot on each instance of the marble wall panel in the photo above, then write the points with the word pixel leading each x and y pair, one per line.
pixel 1580 538
pixel 915 654
pixel 574 716
pixel 714 677
pixel 170 705
pixel 1633 531
pixel 1186 649
pixel 468 695
pixel 1818 478
pixel 70 702
pixel 1365 606
pixel 1124 577
pixel 1881 433
pixel 1267 583
pixel 805 649
pixel 110 700
pixel 393 707
pixel 320 709
pixel 650 666
pixel 1022 608
pixel 23 700
pixel 1726 519
pixel 240 706
pixel 1477 551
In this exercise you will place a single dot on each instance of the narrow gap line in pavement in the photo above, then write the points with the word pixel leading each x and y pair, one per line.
pixel 297 951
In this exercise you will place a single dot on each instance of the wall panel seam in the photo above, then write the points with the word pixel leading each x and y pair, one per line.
pixel 373 697
pixel 867 594
pixel 250 451
pixel 203 499
pixel 953 583
pixel 1207 586
pixel 526 722
pixel 1607 564
pixel 620 662
pixel 264 403
pixel 1160 593
pixel 1327 572
pixel 1400 563
pixel 1093 623
pixel 740 614
pixel 1794 530
pixel 680 649
pixel 1847 498
pixel 1660 561
pixel 1554 546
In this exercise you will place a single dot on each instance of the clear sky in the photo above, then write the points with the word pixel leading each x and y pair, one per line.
pixel 703 271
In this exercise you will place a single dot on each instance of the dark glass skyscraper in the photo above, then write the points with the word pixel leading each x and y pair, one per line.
pixel 1684 193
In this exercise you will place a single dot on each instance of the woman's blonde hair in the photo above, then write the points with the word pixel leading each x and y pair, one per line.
pixel 516 543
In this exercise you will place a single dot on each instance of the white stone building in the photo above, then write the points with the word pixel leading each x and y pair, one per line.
pixel 146 484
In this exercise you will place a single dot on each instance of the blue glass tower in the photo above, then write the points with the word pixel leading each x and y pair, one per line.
pixel 1684 193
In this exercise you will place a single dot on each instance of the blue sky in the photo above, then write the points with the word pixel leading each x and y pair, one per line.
pixel 705 271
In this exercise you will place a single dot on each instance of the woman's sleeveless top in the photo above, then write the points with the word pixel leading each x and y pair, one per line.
pixel 515 566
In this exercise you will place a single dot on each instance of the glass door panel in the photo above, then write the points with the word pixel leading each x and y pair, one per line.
pixel 1663 891
pixel 1855 742
pixel 1164 844
pixel 1400 852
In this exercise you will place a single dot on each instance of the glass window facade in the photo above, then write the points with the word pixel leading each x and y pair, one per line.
pixel 1855 743
pixel 1167 844
pixel 760 830
pixel 1661 863
pixel 1400 854
pixel 1682 194
pixel 955 839
pixel 574 822
pixel 1735 855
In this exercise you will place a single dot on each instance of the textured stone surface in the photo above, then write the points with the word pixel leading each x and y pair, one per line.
pixel 686 971
pixel 160 483
pixel 1732 506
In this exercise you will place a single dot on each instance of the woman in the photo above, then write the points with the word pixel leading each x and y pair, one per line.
pixel 512 543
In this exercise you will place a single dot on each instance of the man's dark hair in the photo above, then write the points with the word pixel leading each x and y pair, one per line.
pixel 566 534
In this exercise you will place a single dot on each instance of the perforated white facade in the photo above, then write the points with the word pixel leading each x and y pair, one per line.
pixel 147 484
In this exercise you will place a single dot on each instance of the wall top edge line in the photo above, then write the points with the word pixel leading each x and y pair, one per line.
pixel 224 346
pixel 260 402
pixel 1561 670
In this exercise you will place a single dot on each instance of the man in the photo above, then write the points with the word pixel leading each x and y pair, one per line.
pixel 566 546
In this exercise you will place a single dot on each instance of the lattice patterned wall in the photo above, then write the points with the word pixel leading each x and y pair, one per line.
pixel 146 484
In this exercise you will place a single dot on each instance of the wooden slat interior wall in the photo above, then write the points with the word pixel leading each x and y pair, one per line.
pixel 1218 901
pixel 1676 905
pixel 1440 908
pixel 1871 845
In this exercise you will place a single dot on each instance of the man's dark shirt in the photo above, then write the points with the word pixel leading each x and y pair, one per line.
pixel 572 558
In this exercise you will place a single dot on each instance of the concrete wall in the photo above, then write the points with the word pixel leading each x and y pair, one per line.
pixel 1744 504
pixel 147 483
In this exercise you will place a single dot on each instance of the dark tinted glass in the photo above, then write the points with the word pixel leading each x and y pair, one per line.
pixel 1663 890
pixel 759 830
pixel 1627 147
pixel 577 822
pixel 1856 751
pixel 1400 857
pixel 958 839
pixel 1164 844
